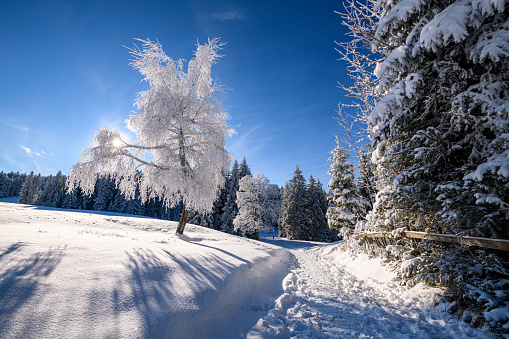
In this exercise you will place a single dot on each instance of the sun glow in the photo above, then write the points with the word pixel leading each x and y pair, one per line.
pixel 117 143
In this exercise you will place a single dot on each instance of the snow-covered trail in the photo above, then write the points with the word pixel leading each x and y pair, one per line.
pixel 329 295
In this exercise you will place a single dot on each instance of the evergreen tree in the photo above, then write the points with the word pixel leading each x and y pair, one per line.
pixel 17 182
pixel 440 131
pixel 348 205
pixel 200 219
pixel 317 200
pixel 36 190
pixel 294 214
pixel 58 190
pixel 46 192
pixel 244 169
pixel 230 208
pixel 72 199
pixel 105 189
pixel 5 185
pixel 24 194
pixel 441 127
pixel 217 208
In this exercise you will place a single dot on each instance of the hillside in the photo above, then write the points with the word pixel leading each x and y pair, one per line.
pixel 73 274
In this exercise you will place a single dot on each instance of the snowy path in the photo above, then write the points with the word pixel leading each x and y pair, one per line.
pixel 328 295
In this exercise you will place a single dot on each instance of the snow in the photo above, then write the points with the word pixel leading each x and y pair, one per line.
pixel 330 295
pixel 68 273
pixel 76 274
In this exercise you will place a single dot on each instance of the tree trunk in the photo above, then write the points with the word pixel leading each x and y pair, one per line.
pixel 183 220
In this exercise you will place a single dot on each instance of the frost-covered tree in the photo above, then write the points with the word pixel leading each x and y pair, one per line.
pixel 348 205
pixel 441 125
pixel 249 217
pixel 256 205
pixel 273 202
pixel 180 129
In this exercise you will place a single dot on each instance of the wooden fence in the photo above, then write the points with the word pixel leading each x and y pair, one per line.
pixel 497 244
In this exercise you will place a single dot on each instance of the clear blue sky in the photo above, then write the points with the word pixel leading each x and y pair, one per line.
pixel 66 74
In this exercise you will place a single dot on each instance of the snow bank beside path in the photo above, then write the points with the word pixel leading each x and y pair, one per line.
pixel 76 274
pixel 329 294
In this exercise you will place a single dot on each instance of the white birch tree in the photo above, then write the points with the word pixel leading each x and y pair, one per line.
pixel 180 129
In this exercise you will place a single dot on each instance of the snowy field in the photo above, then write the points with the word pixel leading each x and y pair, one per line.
pixel 66 274
pixel 71 274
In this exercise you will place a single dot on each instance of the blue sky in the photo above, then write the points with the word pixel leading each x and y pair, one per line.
pixel 66 74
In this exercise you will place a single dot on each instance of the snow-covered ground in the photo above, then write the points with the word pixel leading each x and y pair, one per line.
pixel 97 275
pixel 68 274
pixel 330 295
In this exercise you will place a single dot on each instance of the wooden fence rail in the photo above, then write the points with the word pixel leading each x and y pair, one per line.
pixel 497 244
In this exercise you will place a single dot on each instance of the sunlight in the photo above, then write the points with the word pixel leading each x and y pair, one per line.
pixel 117 142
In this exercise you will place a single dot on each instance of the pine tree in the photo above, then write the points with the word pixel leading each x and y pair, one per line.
pixel 230 208
pixel 24 195
pixel 439 130
pixel 58 190
pixel 294 214
pixel 5 185
pixel 317 200
pixel 244 169
pixel 217 208
pixel 441 124
pixel 17 182
pixel 249 218
pixel 46 192
pixel 105 189
pixel 348 205
pixel 200 219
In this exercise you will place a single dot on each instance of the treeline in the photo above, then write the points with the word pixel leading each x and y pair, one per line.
pixel 51 191
pixel 298 210
pixel 10 184
pixel 303 215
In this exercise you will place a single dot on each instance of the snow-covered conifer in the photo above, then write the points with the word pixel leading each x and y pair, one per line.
pixel 25 188
pixel 244 169
pixel 5 185
pixel 180 129
pixel 348 204
pixel 440 127
pixel 230 207
pixel 317 200
pixel 294 214
pixel 105 193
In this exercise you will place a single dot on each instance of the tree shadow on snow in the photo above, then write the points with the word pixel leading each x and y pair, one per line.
pixel 181 297
pixel 20 277
pixel 291 244
pixel 196 241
